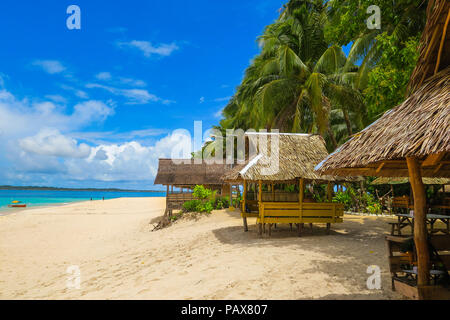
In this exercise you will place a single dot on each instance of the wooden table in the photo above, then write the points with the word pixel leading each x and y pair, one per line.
pixel 405 220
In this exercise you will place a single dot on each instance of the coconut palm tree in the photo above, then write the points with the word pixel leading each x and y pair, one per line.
pixel 297 80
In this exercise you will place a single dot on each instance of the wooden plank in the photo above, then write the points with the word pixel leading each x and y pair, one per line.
pixel 406 290
pixel 281 213
pixel 433 159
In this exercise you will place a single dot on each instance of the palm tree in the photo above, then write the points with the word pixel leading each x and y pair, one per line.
pixel 297 80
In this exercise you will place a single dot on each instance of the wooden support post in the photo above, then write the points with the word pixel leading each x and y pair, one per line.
pixel 231 196
pixel 260 207
pixel 273 192
pixel 329 192
pixel 301 190
pixel 420 227
pixel 328 228
pixel 244 211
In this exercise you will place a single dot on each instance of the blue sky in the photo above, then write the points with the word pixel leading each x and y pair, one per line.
pixel 96 107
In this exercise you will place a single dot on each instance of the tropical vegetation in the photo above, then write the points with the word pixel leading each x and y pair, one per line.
pixel 322 70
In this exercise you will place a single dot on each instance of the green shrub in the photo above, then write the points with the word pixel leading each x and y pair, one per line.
pixel 374 209
pixel 202 193
pixel 221 203
pixel 344 198
pixel 191 206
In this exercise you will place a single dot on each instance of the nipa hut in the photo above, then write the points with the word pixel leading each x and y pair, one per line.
pixel 412 139
pixel 184 175
pixel 264 182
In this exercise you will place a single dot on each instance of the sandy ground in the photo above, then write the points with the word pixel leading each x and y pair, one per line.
pixel 210 258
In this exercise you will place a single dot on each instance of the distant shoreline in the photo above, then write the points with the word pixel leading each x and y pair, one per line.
pixel 31 188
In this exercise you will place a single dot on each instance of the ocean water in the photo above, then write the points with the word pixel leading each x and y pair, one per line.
pixel 33 198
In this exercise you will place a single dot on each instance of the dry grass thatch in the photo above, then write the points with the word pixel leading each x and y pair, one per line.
pixel 416 128
pixel 189 174
pixel 298 154
pixel 435 44
pixel 429 181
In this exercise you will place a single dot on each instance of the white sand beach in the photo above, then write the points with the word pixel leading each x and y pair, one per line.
pixel 211 258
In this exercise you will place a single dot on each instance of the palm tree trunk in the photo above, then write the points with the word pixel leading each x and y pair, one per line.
pixel 332 137
pixel 347 122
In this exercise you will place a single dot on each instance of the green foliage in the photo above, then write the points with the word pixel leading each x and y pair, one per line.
pixel 388 80
pixel 206 201
pixel 202 193
pixel 297 79
pixel 192 206
pixel 343 197
pixel 374 209
pixel 221 203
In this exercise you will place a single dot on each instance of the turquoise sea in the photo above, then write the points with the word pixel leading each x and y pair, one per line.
pixel 33 198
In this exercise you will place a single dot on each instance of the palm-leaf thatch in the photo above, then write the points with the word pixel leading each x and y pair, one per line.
pixel 298 154
pixel 429 181
pixel 435 44
pixel 416 128
pixel 188 173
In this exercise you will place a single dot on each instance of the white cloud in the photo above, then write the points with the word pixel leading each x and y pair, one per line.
pixel 202 99
pixel 146 47
pixel 222 99
pixel 109 78
pixel 103 76
pixel 125 162
pixel 50 66
pixel 134 96
pixel 218 114
pixel 50 142
pixel 79 93
pixel 56 98
pixel 40 146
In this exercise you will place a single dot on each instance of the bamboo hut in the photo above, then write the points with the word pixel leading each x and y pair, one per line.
pixel 297 156
pixel 185 175
pixel 412 139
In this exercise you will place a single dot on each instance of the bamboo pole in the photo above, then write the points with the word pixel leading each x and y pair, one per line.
pixel 273 192
pixel 329 192
pixel 231 196
pixel 244 211
pixel 301 190
pixel 420 227
pixel 260 200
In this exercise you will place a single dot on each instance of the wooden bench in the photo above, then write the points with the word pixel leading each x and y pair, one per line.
pixel 299 214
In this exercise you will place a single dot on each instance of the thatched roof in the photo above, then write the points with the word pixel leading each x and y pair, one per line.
pixel 435 44
pixel 419 127
pixel 416 128
pixel 298 154
pixel 189 174
pixel 389 180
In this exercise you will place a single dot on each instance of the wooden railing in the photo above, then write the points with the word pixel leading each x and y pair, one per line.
pixel 174 201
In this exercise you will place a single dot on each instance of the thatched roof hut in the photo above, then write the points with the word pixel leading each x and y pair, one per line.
pixel 189 173
pixel 298 155
pixel 416 128
pixel 428 181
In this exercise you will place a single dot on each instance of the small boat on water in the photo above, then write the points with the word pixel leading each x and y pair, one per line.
pixel 17 204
